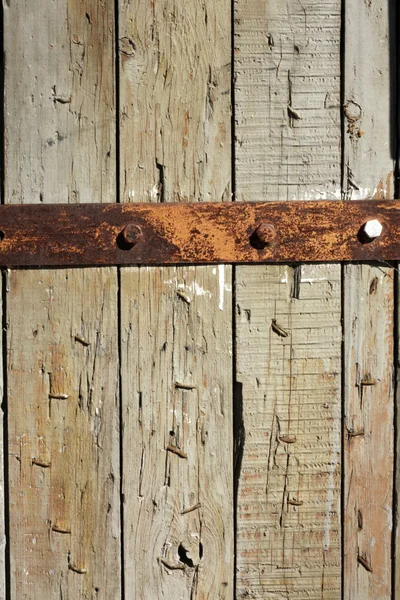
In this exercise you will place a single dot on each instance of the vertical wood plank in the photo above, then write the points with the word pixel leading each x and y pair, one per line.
pixel 288 329
pixel 3 540
pixel 368 313
pixel 176 322
pixel 62 331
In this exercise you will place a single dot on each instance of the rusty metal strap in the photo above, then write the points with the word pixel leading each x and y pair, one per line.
pixel 199 233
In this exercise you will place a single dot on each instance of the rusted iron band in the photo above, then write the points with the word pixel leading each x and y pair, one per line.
pixel 197 233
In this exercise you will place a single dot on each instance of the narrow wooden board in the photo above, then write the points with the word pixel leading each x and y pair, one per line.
pixel 368 432
pixel 62 334
pixel 288 329
pixel 176 323
pixel 368 313
pixel 3 482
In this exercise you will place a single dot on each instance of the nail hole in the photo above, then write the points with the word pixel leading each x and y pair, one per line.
pixel 183 556
pixel 2 235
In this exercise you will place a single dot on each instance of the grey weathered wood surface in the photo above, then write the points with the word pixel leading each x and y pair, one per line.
pixel 62 333
pixel 368 313
pixel 76 530
pixel 288 330
pixel 176 323
pixel 3 499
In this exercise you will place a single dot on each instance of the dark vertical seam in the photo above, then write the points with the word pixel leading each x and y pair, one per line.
pixel 2 108
pixel 394 48
pixel 121 433
pixel 342 437
pixel 119 300
pixel 395 502
pixel 7 557
pixel 342 299
pixel 237 409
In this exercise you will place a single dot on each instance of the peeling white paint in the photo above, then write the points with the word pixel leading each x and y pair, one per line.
pixel 195 288
pixel 198 290
pixel 362 193
pixel 388 510
pixel 221 274
pixel 153 193
pixel 312 279
pixel 319 194
pixel 323 194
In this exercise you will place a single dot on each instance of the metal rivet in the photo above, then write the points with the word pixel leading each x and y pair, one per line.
pixel 132 234
pixel 265 232
pixel 371 230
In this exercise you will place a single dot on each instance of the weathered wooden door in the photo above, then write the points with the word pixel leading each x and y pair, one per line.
pixel 199 433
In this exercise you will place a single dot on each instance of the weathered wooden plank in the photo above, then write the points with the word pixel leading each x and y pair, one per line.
pixel 62 334
pixel 288 334
pixel 368 432
pixel 176 370
pixel 368 313
pixel 3 494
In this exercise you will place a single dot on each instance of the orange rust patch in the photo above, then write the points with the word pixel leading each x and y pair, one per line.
pixel 196 233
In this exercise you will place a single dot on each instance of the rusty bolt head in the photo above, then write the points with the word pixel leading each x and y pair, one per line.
pixel 265 232
pixel 132 234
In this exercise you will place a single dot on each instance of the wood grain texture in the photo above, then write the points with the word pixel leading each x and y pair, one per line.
pixel 62 334
pixel 63 429
pixel 288 330
pixel 176 323
pixel 3 493
pixel 368 432
pixel 368 313
pixel 176 385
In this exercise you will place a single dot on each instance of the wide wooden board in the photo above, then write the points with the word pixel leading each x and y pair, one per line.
pixel 176 323
pixel 62 334
pixel 288 328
